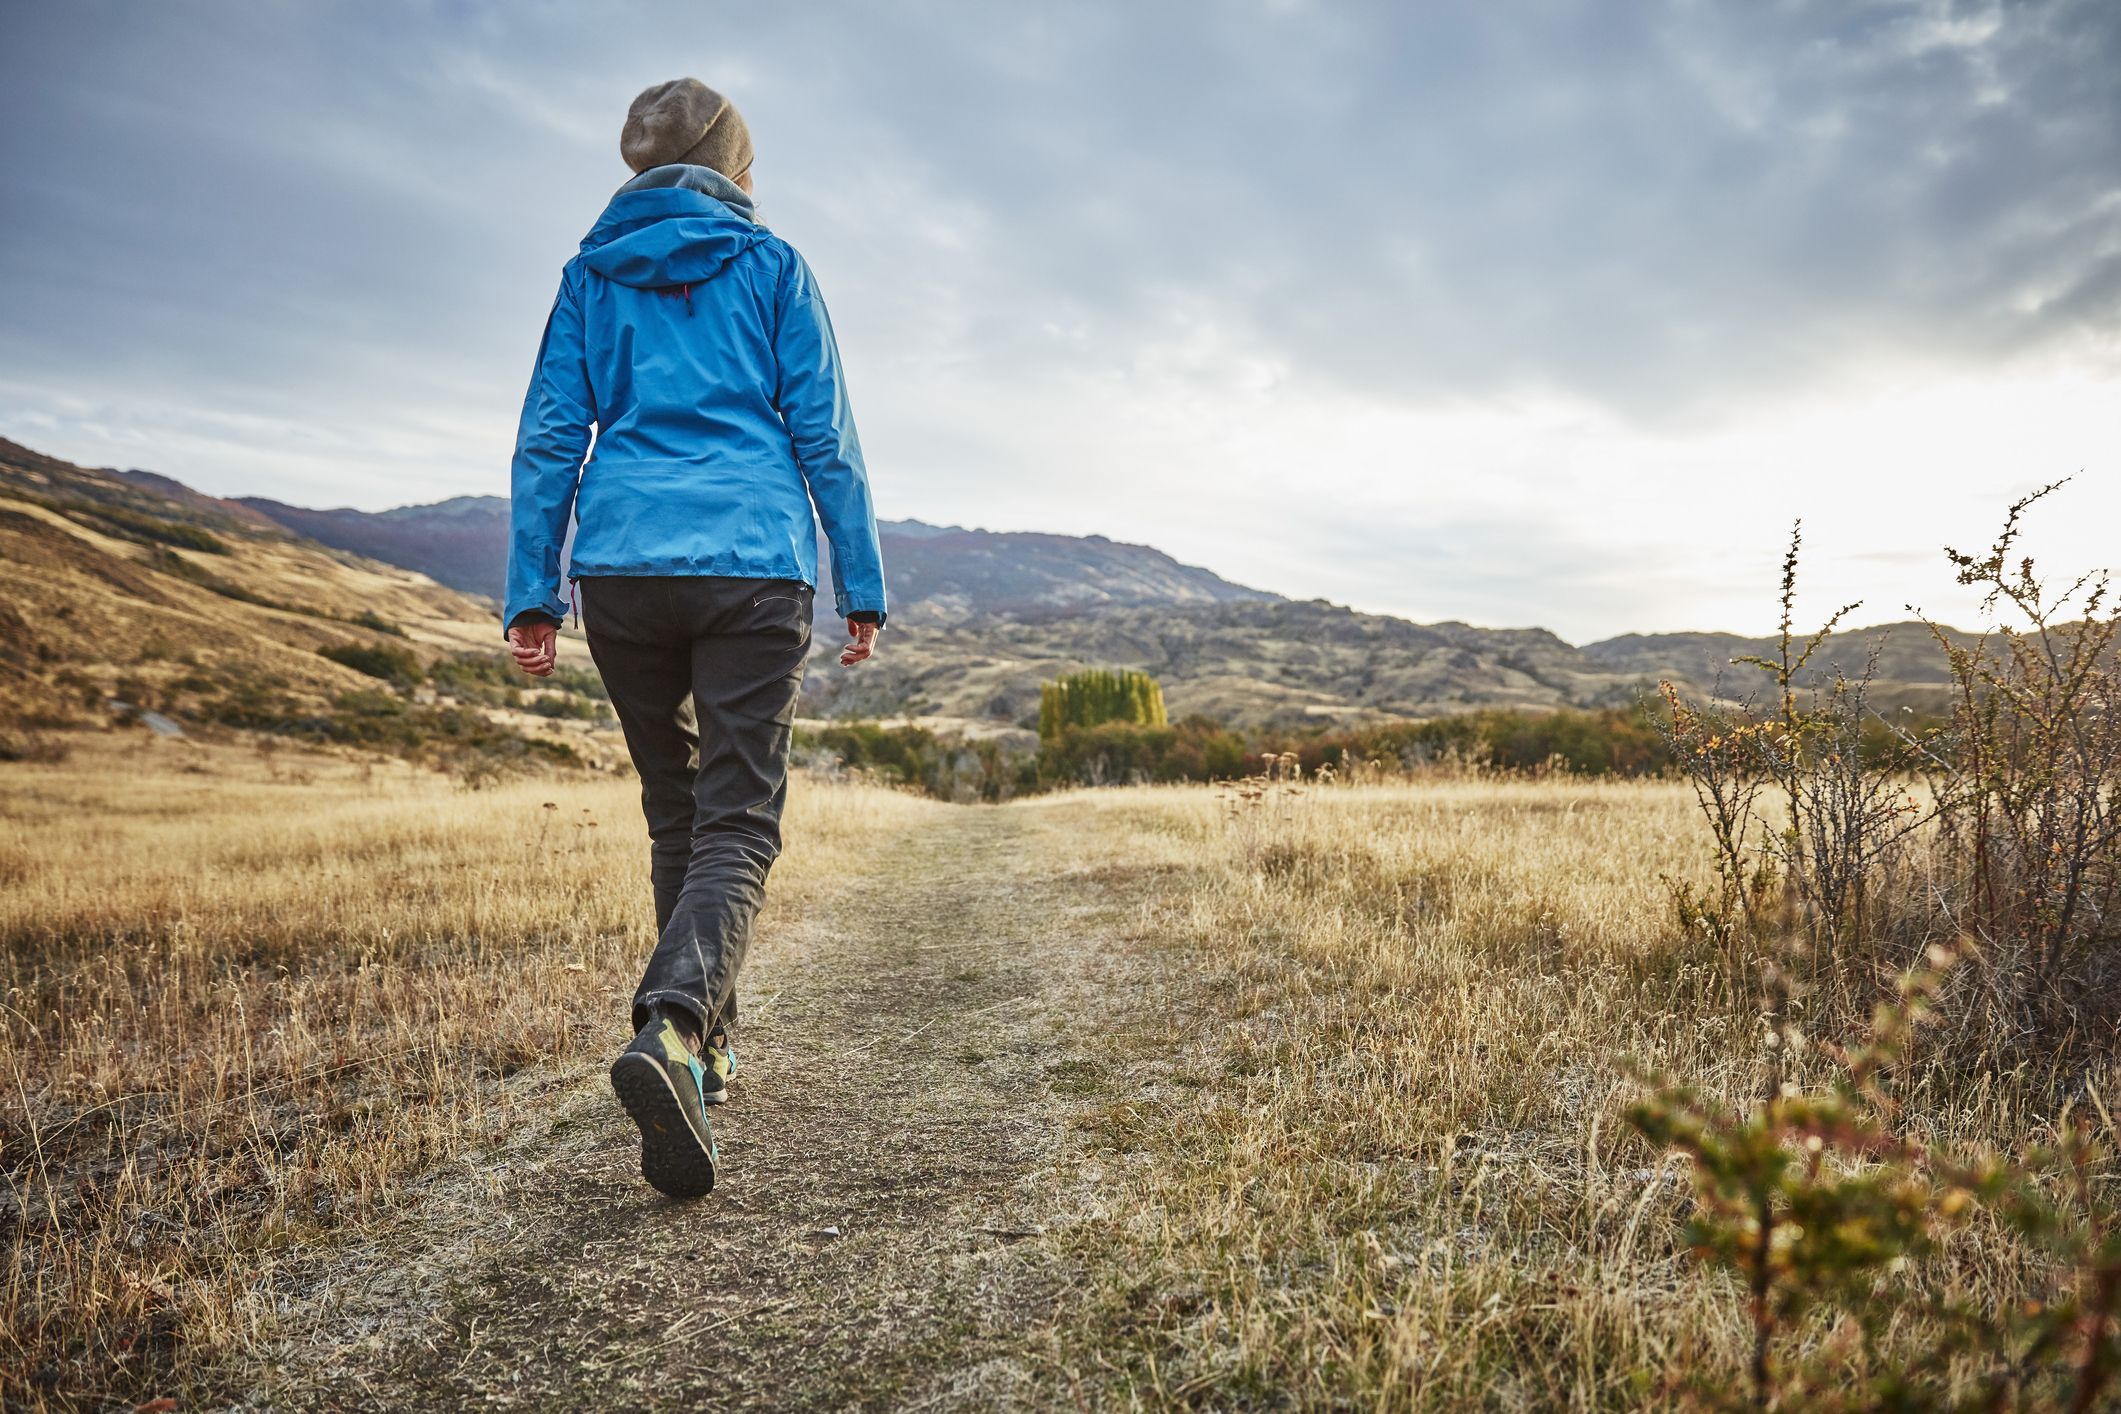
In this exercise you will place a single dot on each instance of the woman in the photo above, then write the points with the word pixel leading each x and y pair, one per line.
pixel 694 341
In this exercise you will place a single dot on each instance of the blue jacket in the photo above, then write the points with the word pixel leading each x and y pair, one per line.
pixel 696 343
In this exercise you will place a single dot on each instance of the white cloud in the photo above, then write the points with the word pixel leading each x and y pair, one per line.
pixel 1520 316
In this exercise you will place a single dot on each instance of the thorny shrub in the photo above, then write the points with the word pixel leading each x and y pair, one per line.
pixel 1979 861
pixel 1820 1204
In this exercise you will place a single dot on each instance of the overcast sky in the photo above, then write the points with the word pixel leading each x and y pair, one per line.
pixel 1534 312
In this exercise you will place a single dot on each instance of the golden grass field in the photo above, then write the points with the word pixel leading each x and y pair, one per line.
pixel 1364 1148
pixel 1402 1176
pixel 248 994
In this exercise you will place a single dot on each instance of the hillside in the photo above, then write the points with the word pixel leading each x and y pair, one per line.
pixel 462 542
pixel 1249 663
pixel 134 589
pixel 1911 667
pixel 947 574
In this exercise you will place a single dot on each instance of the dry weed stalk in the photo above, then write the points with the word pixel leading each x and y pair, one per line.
pixel 1815 1196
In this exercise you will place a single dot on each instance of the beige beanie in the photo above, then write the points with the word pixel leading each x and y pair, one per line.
pixel 685 121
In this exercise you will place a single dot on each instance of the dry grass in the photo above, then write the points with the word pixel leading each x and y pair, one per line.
pixel 1390 1167
pixel 1375 1157
pixel 248 996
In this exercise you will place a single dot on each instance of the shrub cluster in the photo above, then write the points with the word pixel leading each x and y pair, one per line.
pixel 1979 859
pixel 385 717
pixel 1199 749
pixel 386 661
pixel 142 529
pixel 381 720
pixel 1100 695
pixel 1613 742
pixel 1121 753
pixel 946 767
pixel 1871 840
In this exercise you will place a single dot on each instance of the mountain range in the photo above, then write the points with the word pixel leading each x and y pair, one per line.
pixel 979 618
pixel 941 573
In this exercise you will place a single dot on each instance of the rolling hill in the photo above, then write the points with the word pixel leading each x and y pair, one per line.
pixel 462 542
pixel 950 575
pixel 109 561
pixel 137 590
pixel 1248 662
pixel 1911 667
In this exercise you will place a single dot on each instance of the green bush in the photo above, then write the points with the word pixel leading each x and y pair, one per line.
pixel 569 708
pixel 484 678
pixel 146 530
pixel 390 663
pixel 1200 749
pixel 580 681
pixel 948 768
pixel 491 680
pixel 379 719
pixel 1614 742
pixel 1100 695
pixel 1117 753
pixel 864 746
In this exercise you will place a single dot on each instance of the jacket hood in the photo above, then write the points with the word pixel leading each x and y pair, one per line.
pixel 674 225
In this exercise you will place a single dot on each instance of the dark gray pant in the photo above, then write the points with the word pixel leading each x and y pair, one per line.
pixel 703 672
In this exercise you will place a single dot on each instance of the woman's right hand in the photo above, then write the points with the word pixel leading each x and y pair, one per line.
pixel 536 647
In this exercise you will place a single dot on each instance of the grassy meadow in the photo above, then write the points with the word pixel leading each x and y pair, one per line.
pixel 1392 1164
pixel 249 994
pixel 1371 1150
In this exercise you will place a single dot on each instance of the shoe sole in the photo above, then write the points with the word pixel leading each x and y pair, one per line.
pixel 673 1159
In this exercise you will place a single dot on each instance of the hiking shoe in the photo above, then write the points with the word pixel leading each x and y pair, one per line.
pixel 721 1067
pixel 663 1086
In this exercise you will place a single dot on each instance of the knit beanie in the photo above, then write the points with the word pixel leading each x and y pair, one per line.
pixel 685 121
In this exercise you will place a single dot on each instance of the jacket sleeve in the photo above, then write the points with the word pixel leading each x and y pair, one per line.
pixel 551 441
pixel 811 396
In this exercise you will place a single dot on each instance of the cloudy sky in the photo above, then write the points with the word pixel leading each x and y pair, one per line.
pixel 1543 312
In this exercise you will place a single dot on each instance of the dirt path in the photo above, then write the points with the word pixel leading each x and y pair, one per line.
pixel 897 1140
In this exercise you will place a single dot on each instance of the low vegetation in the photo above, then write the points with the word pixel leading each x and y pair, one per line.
pixel 378 660
pixel 1615 742
pixel 446 713
pixel 128 524
pixel 945 766
pixel 168 562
